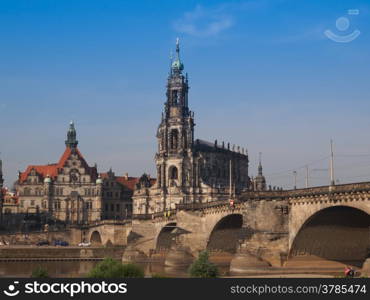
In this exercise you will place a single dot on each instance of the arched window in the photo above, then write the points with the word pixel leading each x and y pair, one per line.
pixel 174 138
pixel 173 172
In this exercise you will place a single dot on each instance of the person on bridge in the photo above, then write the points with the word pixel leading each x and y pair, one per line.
pixel 349 272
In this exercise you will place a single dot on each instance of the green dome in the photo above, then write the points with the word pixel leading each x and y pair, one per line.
pixel 177 64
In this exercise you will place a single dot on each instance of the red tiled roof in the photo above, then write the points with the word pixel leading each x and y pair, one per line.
pixel 52 169
pixel 128 182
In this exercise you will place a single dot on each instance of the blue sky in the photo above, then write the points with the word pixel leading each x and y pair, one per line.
pixel 263 75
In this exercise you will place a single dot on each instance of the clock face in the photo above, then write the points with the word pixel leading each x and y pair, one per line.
pixel 74 175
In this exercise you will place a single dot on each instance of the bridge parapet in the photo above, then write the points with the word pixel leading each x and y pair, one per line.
pixel 335 189
pixel 205 205
pixel 354 188
pixel 103 222
pixel 158 215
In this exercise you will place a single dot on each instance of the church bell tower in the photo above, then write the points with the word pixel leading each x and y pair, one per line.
pixel 176 131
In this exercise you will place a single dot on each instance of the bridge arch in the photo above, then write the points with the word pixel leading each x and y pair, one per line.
pixel 226 233
pixel 95 238
pixel 337 233
pixel 301 212
pixel 166 239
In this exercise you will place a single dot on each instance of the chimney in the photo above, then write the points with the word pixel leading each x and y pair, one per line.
pixel 126 176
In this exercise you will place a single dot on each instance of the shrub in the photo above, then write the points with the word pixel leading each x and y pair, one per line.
pixel 40 272
pixel 132 271
pixel 202 267
pixel 110 268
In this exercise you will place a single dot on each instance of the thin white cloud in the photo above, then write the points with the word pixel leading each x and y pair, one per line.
pixel 305 35
pixel 204 22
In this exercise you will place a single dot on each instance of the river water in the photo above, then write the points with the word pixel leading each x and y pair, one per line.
pixel 74 269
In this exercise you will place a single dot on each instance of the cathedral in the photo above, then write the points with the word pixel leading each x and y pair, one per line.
pixel 189 170
pixel 72 191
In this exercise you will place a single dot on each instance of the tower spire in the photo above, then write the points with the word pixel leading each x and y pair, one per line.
pixel 260 164
pixel 71 141
pixel 260 180
pixel 178 48
pixel 177 65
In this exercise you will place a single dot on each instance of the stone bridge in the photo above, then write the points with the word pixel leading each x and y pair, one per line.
pixel 329 222
pixel 102 233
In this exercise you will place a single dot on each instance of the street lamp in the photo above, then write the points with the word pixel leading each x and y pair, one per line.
pixel 295 179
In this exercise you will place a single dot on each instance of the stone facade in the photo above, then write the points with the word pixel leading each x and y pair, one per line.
pixel 10 202
pixel 188 170
pixel 72 191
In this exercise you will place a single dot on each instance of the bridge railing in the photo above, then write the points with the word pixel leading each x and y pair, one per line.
pixel 342 188
pixel 183 206
pixel 164 214
pixel 108 222
pixel 197 206
pixel 320 190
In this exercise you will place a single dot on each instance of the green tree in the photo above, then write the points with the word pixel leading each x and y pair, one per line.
pixel 111 268
pixel 202 267
pixel 40 272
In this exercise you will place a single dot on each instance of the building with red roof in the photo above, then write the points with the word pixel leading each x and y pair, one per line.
pixel 73 191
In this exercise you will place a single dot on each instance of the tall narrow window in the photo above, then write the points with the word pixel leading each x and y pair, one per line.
pixel 163 140
pixel 185 139
pixel 174 137
pixel 174 96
